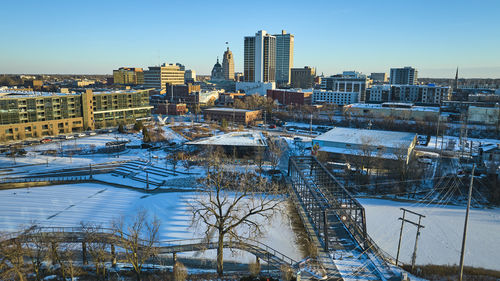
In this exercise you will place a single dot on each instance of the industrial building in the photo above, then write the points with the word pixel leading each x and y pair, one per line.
pixel 399 111
pixel 340 143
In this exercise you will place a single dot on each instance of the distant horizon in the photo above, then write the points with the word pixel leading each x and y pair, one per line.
pixel 198 74
pixel 433 36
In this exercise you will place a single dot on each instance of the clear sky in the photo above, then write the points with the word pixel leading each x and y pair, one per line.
pixel 90 36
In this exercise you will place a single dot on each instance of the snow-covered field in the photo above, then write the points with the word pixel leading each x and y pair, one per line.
pixel 440 240
pixel 68 205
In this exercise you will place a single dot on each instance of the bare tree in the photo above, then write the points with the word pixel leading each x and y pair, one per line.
pixel 180 272
pixel 36 249
pixel 138 238
pixel 12 259
pixel 275 151
pixel 97 247
pixel 173 159
pixel 234 206
pixel 259 158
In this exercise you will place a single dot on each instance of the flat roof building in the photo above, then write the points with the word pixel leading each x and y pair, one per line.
pixel 231 115
pixel 158 76
pixel 390 145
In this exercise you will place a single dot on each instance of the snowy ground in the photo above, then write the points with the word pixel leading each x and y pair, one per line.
pixel 440 240
pixel 68 205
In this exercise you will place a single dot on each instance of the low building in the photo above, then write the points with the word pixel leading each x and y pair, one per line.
pixel 190 94
pixel 399 111
pixel 291 96
pixel 243 143
pixel 229 98
pixel 251 88
pixel 342 143
pixel 233 115
pixel 484 115
pixel 334 97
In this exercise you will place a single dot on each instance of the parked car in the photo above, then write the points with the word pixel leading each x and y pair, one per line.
pixel 45 140
pixel 272 126
pixel 91 133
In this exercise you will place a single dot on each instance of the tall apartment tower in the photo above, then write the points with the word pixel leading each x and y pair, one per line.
pixel 260 57
pixel 228 65
pixel 404 76
pixel 284 57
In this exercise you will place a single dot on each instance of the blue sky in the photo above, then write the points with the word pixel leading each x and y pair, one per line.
pixel 368 36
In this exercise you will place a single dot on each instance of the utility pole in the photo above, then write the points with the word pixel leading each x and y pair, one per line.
pixel 419 226
pixel 311 125
pixel 462 253
pixel 400 235
pixel 437 133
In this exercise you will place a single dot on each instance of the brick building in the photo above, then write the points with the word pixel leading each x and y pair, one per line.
pixel 290 97
pixel 241 116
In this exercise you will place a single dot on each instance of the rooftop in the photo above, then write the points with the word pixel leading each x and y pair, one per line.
pixel 394 107
pixel 228 109
pixel 234 139
pixel 31 94
pixel 362 136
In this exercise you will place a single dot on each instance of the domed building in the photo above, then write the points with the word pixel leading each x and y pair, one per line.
pixel 217 71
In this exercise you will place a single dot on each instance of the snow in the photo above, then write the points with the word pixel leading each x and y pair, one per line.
pixel 68 205
pixel 252 138
pixel 440 240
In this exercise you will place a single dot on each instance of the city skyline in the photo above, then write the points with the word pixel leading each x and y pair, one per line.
pixel 67 38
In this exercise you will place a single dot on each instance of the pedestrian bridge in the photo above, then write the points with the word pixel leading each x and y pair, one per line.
pixel 338 223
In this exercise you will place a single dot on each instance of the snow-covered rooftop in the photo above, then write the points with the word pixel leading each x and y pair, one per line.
pixel 361 136
pixel 394 107
pixel 227 109
pixel 234 139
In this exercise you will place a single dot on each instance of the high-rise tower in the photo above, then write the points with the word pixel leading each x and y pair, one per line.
pixel 284 57
pixel 228 65
pixel 260 57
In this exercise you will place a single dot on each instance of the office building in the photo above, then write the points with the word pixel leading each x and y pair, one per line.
pixel 158 76
pixel 128 76
pixel 228 65
pixel 189 76
pixel 352 83
pixel 404 76
pixel 334 97
pixel 303 78
pixel 35 114
pixel 284 57
pixel 379 77
pixel 260 57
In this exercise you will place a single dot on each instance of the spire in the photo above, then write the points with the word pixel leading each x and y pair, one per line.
pixel 217 59
pixel 456 80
